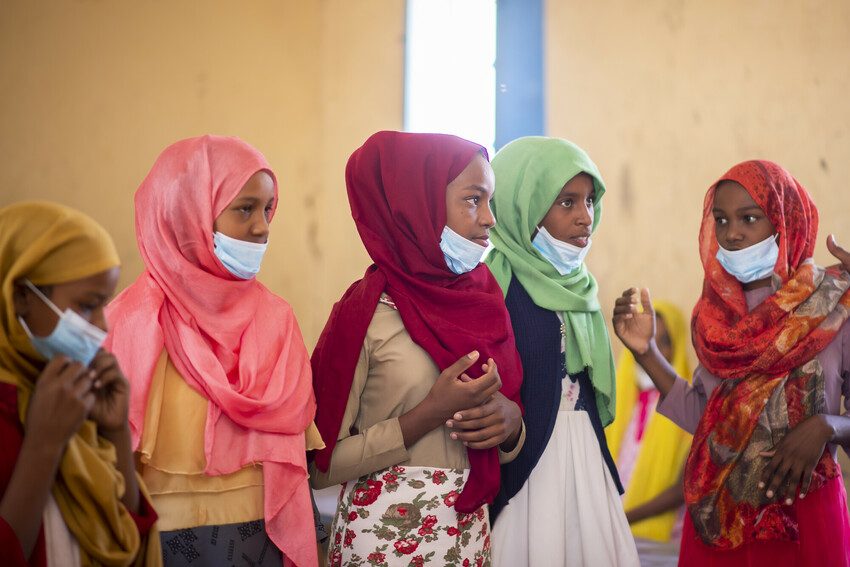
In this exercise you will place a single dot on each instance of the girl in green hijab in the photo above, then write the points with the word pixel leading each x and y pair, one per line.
pixel 563 489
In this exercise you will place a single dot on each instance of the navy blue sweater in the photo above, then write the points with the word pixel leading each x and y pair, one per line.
pixel 538 340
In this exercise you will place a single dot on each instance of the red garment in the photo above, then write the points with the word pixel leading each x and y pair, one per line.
pixel 233 341
pixel 824 538
pixel 769 349
pixel 11 439
pixel 397 190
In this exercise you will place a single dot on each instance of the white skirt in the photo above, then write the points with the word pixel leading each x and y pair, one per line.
pixel 568 512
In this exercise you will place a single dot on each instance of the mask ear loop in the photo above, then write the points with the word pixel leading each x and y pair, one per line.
pixel 43 297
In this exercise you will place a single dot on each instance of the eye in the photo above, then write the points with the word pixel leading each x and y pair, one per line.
pixel 750 219
pixel 720 220
pixel 86 308
pixel 473 200
pixel 246 209
pixel 589 201
pixel 567 203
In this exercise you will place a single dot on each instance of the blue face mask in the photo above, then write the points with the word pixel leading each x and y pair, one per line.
pixel 73 336
pixel 751 263
pixel 564 256
pixel 462 255
pixel 241 258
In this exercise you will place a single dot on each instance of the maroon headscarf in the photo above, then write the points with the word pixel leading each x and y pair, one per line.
pixel 397 190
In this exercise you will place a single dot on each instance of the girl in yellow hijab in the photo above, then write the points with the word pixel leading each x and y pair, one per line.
pixel 68 490
pixel 649 449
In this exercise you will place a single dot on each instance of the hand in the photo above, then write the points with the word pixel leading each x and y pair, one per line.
pixel 488 425
pixel 454 390
pixel 112 393
pixel 837 251
pixel 794 458
pixel 636 329
pixel 60 402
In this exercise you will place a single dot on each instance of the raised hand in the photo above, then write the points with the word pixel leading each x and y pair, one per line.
pixel 837 251
pixel 634 327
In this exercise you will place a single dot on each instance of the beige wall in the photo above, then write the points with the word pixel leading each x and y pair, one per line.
pixel 92 91
pixel 666 95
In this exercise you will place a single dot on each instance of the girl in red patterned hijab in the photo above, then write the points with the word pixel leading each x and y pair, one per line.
pixel 762 483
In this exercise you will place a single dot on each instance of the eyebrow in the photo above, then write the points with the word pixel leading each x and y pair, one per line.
pixel 575 194
pixel 740 210
pixel 249 199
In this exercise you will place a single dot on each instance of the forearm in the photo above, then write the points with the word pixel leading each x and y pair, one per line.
pixel 26 495
pixel 126 465
pixel 670 499
pixel 657 367
pixel 420 421
pixel 377 447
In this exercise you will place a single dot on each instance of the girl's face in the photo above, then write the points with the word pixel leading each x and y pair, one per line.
pixel 570 218
pixel 738 221
pixel 87 296
pixel 468 201
pixel 247 216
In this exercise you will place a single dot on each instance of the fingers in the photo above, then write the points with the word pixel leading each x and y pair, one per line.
pixel 646 301
pixel 461 365
pixel 807 480
pixel 474 418
pixel 484 438
pixel 626 306
pixel 836 250
pixel 83 385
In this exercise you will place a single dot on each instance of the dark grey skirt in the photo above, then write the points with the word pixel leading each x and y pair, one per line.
pixel 245 544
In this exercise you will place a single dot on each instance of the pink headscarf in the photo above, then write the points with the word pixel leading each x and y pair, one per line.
pixel 232 340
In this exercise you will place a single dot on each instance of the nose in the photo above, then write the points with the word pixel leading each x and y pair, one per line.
pixel 585 216
pixel 734 234
pixel 98 319
pixel 260 228
pixel 486 217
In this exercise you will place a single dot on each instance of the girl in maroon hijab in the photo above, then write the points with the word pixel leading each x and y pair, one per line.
pixel 416 373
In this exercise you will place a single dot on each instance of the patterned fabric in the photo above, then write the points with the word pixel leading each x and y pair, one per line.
pixel 231 544
pixel 406 516
pixel 772 382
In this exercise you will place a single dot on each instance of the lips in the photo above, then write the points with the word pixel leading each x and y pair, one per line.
pixel 580 241
pixel 482 240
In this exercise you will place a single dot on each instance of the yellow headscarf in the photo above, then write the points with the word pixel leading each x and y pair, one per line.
pixel 50 244
pixel 664 446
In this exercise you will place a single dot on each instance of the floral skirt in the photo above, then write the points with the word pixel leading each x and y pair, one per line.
pixel 406 516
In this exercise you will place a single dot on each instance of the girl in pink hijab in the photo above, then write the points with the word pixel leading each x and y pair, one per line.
pixel 220 377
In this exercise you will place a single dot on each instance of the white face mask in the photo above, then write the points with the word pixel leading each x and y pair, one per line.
pixel 241 258
pixel 73 336
pixel 564 256
pixel 462 255
pixel 642 379
pixel 751 263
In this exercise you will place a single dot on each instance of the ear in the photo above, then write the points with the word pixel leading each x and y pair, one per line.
pixel 21 298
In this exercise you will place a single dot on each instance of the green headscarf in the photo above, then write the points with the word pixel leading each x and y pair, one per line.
pixel 530 173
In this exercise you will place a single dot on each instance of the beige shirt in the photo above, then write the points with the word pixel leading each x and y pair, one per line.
pixel 392 376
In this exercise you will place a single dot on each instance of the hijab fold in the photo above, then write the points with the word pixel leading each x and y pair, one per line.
pixel 50 244
pixel 232 340
pixel 397 190
pixel 530 173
